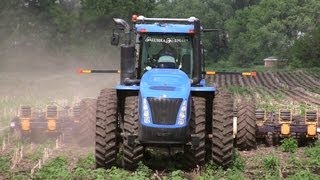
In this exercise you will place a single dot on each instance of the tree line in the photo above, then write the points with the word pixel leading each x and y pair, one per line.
pixel 249 30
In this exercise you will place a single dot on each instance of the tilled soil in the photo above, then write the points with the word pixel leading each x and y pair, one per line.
pixel 298 87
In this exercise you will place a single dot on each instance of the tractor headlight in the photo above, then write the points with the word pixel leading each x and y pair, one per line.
pixel 183 113
pixel 12 124
pixel 145 111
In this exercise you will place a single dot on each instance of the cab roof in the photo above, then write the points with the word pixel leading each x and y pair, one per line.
pixel 165 28
pixel 165 25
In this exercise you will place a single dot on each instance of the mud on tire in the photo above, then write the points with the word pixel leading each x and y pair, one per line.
pixel 86 126
pixel 222 129
pixel 196 156
pixel 106 148
pixel 246 127
pixel 132 153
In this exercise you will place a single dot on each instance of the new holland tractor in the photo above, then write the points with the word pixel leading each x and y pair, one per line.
pixel 162 99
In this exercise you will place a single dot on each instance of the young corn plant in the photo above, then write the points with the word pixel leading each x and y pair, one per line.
pixel 289 145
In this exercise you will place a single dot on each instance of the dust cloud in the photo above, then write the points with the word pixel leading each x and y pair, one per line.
pixel 34 71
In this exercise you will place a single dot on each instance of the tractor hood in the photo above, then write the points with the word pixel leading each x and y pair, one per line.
pixel 165 83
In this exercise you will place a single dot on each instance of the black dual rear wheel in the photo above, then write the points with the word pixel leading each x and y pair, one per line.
pixel 246 127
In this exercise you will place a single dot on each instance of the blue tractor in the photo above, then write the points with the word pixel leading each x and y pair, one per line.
pixel 162 99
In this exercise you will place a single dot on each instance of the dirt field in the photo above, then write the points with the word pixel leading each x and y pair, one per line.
pixel 299 87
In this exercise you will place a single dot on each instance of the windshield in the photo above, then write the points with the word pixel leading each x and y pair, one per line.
pixel 167 51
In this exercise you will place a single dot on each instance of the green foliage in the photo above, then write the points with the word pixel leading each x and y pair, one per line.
pixel 249 30
pixel 55 169
pixel 303 108
pixel 92 9
pixel 99 174
pixel 175 175
pixel 95 9
pixel 270 163
pixel 4 164
pixel 289 145
pixel 38 153
pixel 88 162
pixel 208 171
pixel 64 20
pixel 240 90
pixel 295 162
pixel 271 176
pixel 305 175
pixel 268 29
pixel 142 172
pixel 268 107
pixel 279 95
pixel 306 50
pixel 239 162
pixel 313 153
pixel 211 171
pixel 85 168
pixel 116 173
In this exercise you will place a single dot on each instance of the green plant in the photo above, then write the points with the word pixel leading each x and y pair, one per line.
pixel 289 145
pixel 99 174
pixel 4 163
pixel 177 175
pixel 55 169
pixel 80 172
pixel 303 108
pixel 271 176
pixel 239 162
pixel 279 95
pixel 313 153
pixel 116 173
pixel 270 163
pixel 234 174
pixel 295 161
pixel 208 170
pixel 87 162
pixel 37 154
pixel 211 171
pixel 305 175
pixel 240 90
pixel 268 107
pixel 142 172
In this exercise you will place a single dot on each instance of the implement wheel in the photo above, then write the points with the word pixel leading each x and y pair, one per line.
pixel 222 129
pixel 106 148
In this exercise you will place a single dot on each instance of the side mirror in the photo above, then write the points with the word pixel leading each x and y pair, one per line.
pixel 115 38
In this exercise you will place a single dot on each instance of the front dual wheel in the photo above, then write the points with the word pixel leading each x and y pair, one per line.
pixel 107 131
pixel 221 141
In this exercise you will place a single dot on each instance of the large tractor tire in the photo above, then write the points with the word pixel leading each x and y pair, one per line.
pixel 86 126
pixel 106 148
pixel 196 155
pixel 222 129
pixel 246 127
pixel 132 152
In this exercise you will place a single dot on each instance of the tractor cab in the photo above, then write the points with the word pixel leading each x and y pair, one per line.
pixel 165 44
pixel 166 51
pixel 160 43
